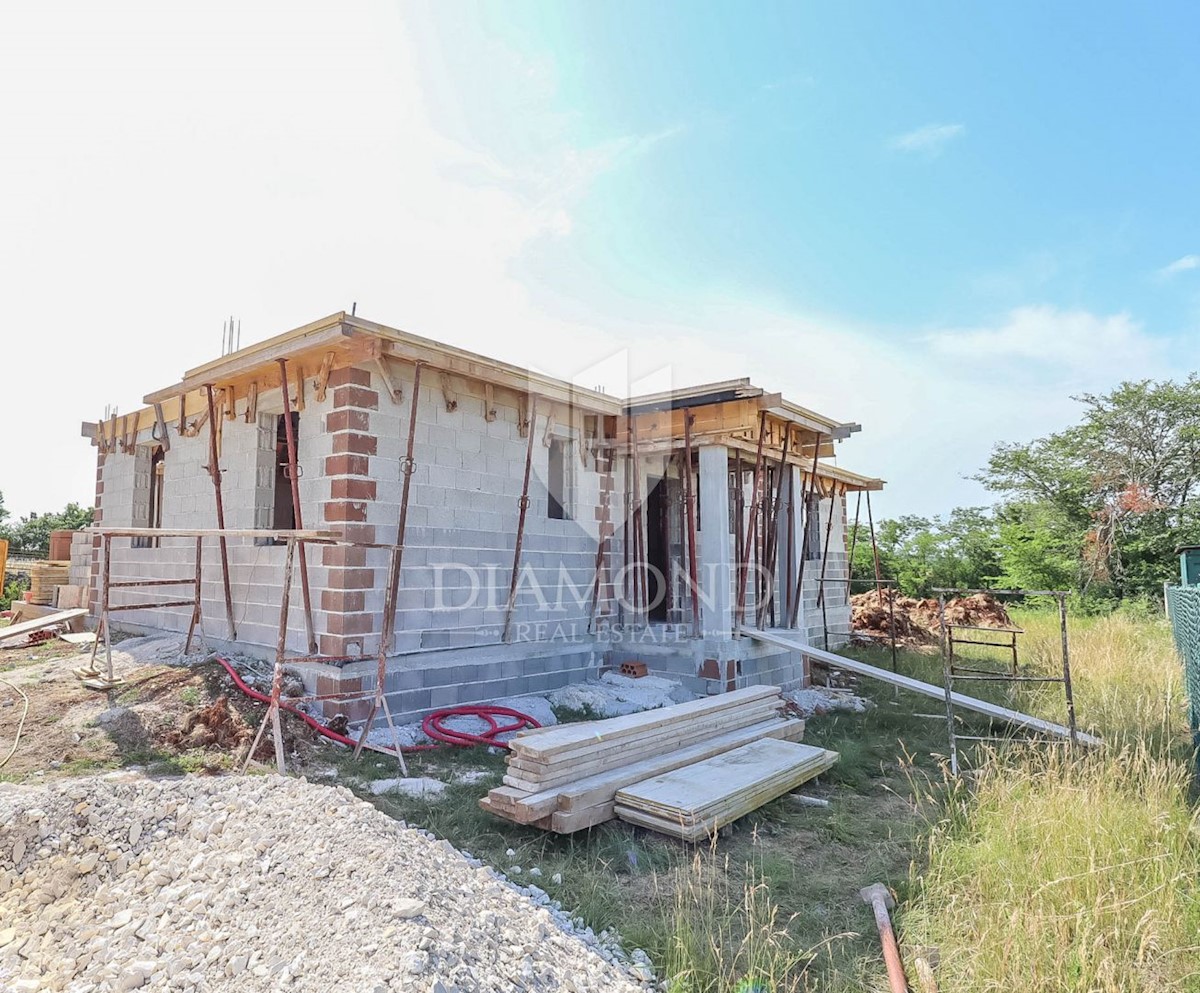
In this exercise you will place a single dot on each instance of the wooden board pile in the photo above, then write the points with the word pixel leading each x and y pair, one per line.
pixel 566 777
pixel 698 800
pixel 44 577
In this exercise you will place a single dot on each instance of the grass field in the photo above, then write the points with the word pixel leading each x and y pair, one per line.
pixel 1038 870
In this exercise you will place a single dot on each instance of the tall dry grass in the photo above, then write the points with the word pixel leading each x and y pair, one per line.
pixel 1051 870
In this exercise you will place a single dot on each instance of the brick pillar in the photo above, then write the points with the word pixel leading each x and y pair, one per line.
pixel 351 629
pixel 98 518
pixel 605 530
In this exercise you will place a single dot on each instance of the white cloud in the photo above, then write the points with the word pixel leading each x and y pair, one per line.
pixel 1182 264
pixel 1082 344
pixel 929 140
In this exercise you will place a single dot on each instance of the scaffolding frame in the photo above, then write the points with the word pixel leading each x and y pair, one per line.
pixel 951 672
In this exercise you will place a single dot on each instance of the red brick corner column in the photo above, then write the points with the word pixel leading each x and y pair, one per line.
pixel 98 518
pixel 351 629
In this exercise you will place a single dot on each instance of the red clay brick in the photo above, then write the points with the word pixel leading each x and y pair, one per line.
pixel 343 600
pixel 343 511
pixel 349 376
pixel 360 444
pixel 710 669
pixel 355 396
pixel 351 579
pixel 340 556
pixel 346 465
pixel 348 419
pixel 357 532
pixel 362 623
pixel 346 488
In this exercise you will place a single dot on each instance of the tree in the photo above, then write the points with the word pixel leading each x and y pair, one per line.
pixel 1111 496
pixel 922 554
pixel 31 533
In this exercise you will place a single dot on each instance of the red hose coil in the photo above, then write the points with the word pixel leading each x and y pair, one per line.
pixel 433 725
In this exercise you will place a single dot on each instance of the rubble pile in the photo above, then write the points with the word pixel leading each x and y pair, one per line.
pixel 916 619
pixel 262 883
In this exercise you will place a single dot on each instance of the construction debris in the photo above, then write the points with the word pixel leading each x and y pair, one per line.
pixel 916 619
pixel 24 629
pixel 215 724
pixel 260 884
pixel 566 778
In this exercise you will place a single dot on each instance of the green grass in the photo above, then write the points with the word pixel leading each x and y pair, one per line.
pixel 1050 870
pixel 1036 871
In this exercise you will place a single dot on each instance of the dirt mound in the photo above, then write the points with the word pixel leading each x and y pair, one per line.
pixel 916 619
pixel 215 724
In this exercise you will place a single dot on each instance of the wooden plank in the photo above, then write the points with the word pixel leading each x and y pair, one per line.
pixel 991 710
pixel 26 628
pixel 702 786
pixel 601 787
pixel 565 738
pixel 216 533
pixel 700 824
pixel 613 758
pixel 671 735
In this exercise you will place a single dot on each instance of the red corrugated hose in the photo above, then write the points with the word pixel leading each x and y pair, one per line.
pixel 433 725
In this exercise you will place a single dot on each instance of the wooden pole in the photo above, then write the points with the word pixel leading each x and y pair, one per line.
pixel 523 505
pixel 297 515
pixel 639 534
pixel 214 471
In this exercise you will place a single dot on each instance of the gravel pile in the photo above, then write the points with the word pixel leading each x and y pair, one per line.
pixel 262 883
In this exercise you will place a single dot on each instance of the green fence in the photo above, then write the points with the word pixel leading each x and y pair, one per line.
pixel 1183 604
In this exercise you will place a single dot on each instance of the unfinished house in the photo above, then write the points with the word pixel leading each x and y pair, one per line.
pixel 542 532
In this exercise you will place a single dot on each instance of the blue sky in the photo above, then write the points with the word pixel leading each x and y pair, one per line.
pixel 937 220
pixel 1050 153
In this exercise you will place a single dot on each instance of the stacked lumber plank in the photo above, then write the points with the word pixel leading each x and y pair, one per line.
pixel 696 801
pixel 565 778
pixel 43 577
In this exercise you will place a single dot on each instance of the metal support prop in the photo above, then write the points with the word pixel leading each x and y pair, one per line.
pixel 523 505
pixel 790 562
pixel 1066 665
pixel 949 684
pixel 771 536
pixel 640 564
pixel 739 508
pixel 392 592
pixel 875 550
pixel 297 516
pixel 853 543
pixel 752 522
pixel 690 501
pixel 833 495
pixel 794 618
pixel 272 715
pixel 187 645
pixel 602 545
pixel 214 471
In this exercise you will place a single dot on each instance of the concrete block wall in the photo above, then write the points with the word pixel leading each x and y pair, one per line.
pixel 256 570
pixel 462 520
pixel 837 606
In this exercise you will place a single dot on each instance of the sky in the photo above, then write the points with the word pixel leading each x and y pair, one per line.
pixel 940 221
